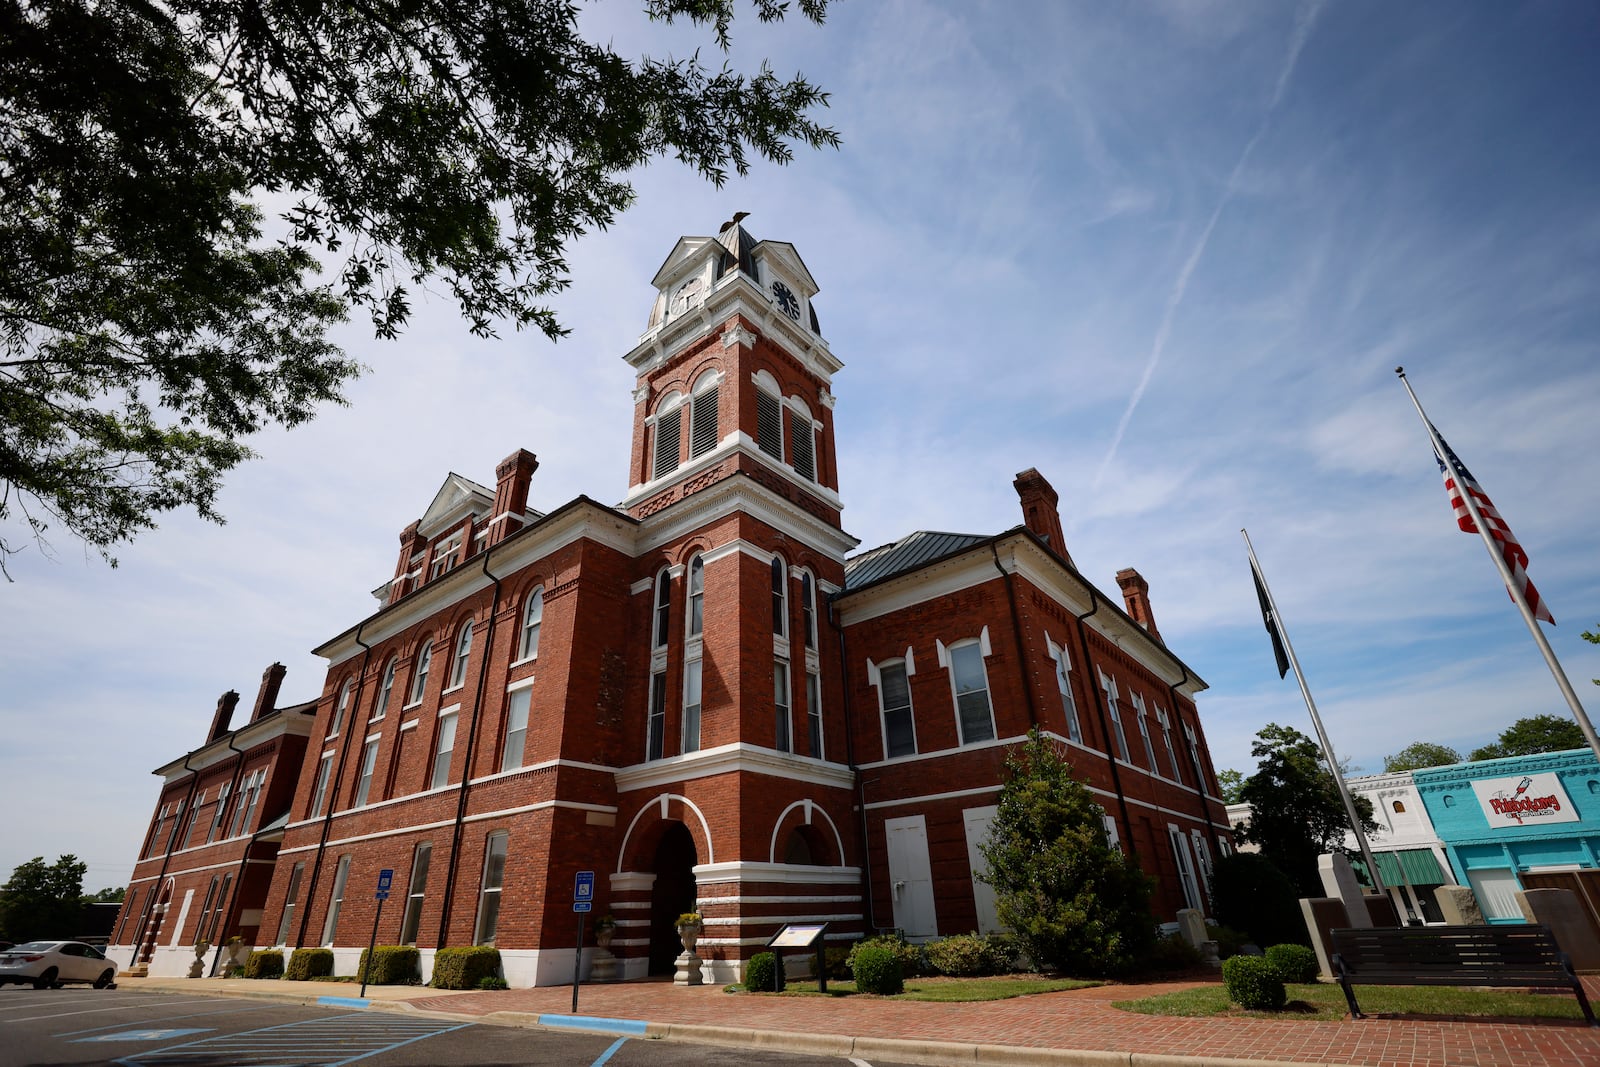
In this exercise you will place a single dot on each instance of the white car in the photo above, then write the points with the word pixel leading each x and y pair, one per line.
pixel 50 964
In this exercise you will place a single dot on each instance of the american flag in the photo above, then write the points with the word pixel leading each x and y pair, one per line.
pixel 1515 557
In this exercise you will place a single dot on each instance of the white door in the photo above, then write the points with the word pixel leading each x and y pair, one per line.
pixel 978 820
pixel 910 878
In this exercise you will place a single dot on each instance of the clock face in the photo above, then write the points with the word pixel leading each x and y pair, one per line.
pixel 787 302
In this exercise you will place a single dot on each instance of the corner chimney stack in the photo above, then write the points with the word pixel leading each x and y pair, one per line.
pixel 411 543
pixel 267 698
pixel 1040 512
pixel 1136 598
pixel 512 477
pixel 224 716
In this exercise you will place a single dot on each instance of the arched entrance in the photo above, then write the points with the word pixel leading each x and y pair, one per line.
pixel 671 896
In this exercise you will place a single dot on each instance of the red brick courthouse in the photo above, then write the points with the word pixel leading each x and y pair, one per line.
pixel 698 694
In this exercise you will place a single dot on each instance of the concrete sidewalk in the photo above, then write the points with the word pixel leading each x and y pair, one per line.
pixel 1079 1028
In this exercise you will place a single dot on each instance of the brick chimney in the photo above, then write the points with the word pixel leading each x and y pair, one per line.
pixel 224 716
pixel 267 698
pixel 411 543
pixel 1039 510
pixel 1136 598
pixel 511 493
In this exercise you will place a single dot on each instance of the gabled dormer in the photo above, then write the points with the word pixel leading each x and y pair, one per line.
pixel 733 376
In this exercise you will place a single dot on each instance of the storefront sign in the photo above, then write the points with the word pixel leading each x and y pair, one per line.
pixel 1526 800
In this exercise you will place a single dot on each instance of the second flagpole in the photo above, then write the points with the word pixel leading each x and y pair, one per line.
pixel 1316 721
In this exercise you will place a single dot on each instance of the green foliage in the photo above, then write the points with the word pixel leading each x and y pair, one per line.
pixel 912 961
pixel 390 965
pixel 960 956
pixel 465 967
pixel 493 982
pixel 1533 735
pixel 1171 953
pixel 1230 782
pixel 264 963
pixel 761 973
pixel 42 900
pixel 1074 903
pixel 1229 941
pixel 1294 963
pixel 1253 983
pixel 1296 813
pixel 877 970
pixel 148 324
pixel 836 960
pixel 1420 755
pixel 308 963
pixel 1250 894
pixel 109 895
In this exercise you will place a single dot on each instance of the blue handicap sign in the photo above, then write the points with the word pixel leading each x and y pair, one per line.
pixel 582 906
pixel 583 888
pixel 385 880
pixel 382 894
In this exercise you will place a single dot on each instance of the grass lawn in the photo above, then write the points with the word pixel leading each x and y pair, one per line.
pixel 1326 1002
pixel 945 989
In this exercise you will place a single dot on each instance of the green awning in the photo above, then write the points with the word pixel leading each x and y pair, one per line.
pixel 1414 865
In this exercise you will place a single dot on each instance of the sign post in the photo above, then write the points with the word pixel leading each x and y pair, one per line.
pixel 582 904
pixel 800 935
pixel 385 880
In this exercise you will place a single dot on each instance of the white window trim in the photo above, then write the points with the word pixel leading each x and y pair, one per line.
pixel 391 672
pixel 1063 662
pixel 522 628
pixel 1140 715
pixel 419 678
pixel 946 657
pixel 1119 733
pixel 875 679
pixel 451 684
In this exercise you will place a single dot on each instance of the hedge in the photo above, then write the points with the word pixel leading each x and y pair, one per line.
pixel 308 963
pixel 1253 983
pixel 391 965
pixel 264 963
pixel 1294 963
pixel 760 974
pixel 465 968
pixel 877 970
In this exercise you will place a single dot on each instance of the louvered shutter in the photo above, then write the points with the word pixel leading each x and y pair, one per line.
pixel 703 426
pixel 769 424
pixel 667 435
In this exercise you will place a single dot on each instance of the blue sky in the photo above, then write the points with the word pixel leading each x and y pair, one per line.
pixel 1168 253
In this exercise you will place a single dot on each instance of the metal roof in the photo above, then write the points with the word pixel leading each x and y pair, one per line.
pixel 910 552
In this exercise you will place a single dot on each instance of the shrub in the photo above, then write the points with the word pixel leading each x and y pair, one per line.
pixel 1253 895
pixel 1294 963
pixel 912 961
pixel 836 960
pixel 308 963
pixel 1003 952
pixel 492 981
pixel 877 970
pixel 264 963
pixel 1230 942
pixel 1172 953
pixel 960 956
pixel 391 965
pixel 465 968
pixel 761 973
pixel 1253 983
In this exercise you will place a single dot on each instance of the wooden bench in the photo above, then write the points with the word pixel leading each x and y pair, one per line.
pixel 1522 956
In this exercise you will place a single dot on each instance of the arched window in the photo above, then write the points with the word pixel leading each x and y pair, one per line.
pixel 1399 808
pixel 663 608
pixel 419 679
pixel 769 416
pixel 340 709
pixel 532 617
pixel 780 596
pixel 703 436
pixel 970 681
pixel 802 441
pixel 697 594
pixel 381 708
pixel 458 669
pixel 668 421
pixel 808 608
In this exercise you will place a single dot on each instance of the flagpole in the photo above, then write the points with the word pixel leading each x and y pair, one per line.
pixel 1316 721
pixel 1512 585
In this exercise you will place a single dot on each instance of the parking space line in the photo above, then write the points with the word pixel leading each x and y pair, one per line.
pixel 608 1053
pixel 234 1009
pixel 93 1011
pixel 308 1043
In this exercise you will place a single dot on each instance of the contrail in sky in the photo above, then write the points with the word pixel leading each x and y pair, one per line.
pixel 1303 23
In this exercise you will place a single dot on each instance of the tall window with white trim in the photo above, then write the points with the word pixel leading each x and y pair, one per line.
pixel 222 907
pixel 318 794
pixel 330 925
pixel 1185 865
pixel 697 595
pixel 381 707
pixel 808 609
pixel 780 596
pixel 1166 734
pixel 1139 716
pixel 780 705
pixel 814 714
pixel 419 677
pixel 289 901
pixel 194 817
pixel 512 755
pixel 458 667
pixel 444 747
pixel 663 608
pixel 532 620
pixel 249 796
pixel 970 680
pixel 691 705
pixel 1108 685
pixel 369 762
pixel 894 703
pixel 655 739
pixel 219 817
pixel 415 888
pixel 1069 706
pixel 494 874
pixel 341 708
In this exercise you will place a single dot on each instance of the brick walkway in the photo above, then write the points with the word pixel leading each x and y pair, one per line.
pixel 1082 1019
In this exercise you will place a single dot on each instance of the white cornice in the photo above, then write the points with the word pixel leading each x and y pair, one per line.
pixel 787 873
pixel 250 735
pixel 735 443
pixel 734 294
pixel 741 494
pixel 730 759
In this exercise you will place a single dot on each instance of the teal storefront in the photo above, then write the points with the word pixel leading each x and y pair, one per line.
pixel 1501 820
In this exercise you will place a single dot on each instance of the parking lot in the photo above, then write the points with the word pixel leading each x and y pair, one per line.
pixel 140 1029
